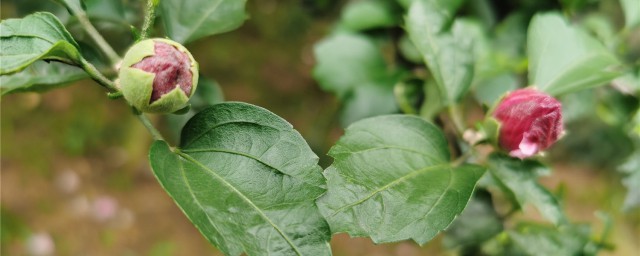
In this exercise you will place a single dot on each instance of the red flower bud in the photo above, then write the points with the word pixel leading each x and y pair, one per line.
pixel 530 121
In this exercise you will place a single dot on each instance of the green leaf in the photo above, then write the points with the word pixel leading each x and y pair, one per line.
pixel 368 14
pixel 73 6
pixel 367 101
pixel 113 10
pixel 631 9
pixel 39 36
pixel 41 76
pixel 187 21
pixel 345 61
pixel 447 4
pixel 409 94
pixel 447 52
pixel 518 179
pixel 391 180
pixel 564 59
pixel 536 239
pixel 433 103
pixel 352 67
pixel 499 60
pixel 247 180
pixel 409 50
pixel 26 7
pixel 489 90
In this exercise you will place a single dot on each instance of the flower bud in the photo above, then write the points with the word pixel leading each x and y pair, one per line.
pixel 158 75
pixel 530 121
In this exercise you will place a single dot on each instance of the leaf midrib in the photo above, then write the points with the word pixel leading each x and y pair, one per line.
pixel 387 186
pixel 209 129
pixel 257 159
pixel 192 194
pixel 199 23
pixel 243 197
pixel 570 67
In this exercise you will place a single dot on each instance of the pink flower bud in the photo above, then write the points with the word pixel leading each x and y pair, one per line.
pixel 158 75
pixel 171 67
pixel 530 121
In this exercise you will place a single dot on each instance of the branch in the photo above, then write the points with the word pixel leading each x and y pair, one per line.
pixel 149 17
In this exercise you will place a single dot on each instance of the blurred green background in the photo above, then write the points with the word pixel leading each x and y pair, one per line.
pixel 75 175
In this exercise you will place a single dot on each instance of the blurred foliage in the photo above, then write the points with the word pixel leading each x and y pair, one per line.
pixel 268 62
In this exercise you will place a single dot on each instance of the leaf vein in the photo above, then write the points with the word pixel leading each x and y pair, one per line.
pixel 244 198
pixel 387 186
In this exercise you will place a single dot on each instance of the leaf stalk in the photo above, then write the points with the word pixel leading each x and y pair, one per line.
pixel 147 124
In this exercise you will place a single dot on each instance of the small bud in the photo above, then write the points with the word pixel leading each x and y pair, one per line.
pixel 530 121
pixel 158 75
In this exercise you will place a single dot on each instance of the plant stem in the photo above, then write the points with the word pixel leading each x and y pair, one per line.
pixel 463 158
pixel 97 76
pixel 456 117
pixel 113 57
pixel 96 36
pixel 149 17
pixel 147 124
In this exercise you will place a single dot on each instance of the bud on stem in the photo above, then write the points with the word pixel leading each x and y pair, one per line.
pixel 530 122
pixel 158 75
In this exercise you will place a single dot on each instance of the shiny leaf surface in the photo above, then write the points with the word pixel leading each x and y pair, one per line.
pixel 247 180
pixel 391 180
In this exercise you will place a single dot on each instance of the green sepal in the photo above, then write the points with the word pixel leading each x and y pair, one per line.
pixel 183 111
pixel 169 102
pixel 138 85
pixel 491 129
pixel 138 52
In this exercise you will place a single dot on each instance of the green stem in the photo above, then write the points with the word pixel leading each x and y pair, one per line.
pixel 96 36
pixel 456 117
pixel 98 76
pixel 147 124
pixel 149 17
pixel 463 158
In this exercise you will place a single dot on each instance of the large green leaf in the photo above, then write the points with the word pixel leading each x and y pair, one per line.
pixel 247 180
pixel 391 180
pixel 631 9
pixel 187 21
pixel 519 179
pixel 352 67
pixel 40 76
pixel 448 52
pixel 564 59
pixel 39 36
